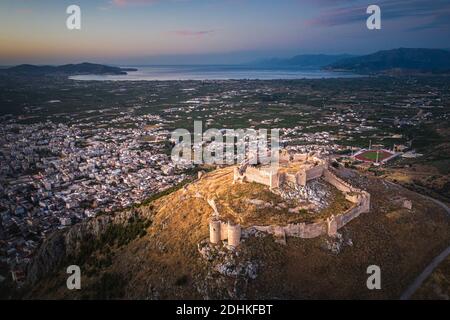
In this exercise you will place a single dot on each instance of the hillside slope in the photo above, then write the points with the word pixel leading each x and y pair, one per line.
pixel 402 59
pixel 161 253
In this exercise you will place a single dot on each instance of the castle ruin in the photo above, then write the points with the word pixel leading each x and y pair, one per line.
pixel 219 230
pixel 297 169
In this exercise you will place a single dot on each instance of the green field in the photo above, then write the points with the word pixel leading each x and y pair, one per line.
pixel 372 155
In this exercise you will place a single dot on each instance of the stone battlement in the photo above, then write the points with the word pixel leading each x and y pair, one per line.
pixel 297 169
pixel 329 226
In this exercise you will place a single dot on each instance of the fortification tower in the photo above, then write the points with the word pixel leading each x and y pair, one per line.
pixel 214 230
pixel 234 234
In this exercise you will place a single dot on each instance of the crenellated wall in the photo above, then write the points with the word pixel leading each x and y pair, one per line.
pixel 314 172
pixel 359 198
pixel 253 174
pixel 275 177
pixel 299 230
pixel 330 226
pixel 337 182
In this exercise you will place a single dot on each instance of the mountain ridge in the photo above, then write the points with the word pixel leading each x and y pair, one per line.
pixel 417 60
pixel 67 69
pixel 303 60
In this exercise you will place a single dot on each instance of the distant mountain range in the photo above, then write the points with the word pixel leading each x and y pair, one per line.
pixel 397 60
pixel 402 60
pixel 68 69
pixel 303 61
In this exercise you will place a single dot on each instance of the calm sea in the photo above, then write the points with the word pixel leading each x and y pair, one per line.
pixel 215 72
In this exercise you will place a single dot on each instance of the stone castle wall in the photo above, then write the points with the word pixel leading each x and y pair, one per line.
pixel 324 227
pixel 315 172
pixel 359 198
pixel 291 178
pixel 337 182
pixel 256 175
pixel 274 178
pixel 299 230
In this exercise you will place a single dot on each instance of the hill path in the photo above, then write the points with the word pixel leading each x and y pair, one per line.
pixel 407 294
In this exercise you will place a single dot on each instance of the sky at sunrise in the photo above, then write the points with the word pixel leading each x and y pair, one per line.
pixel 212 31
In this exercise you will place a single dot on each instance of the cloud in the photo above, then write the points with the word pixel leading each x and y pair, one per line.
pixel 339 16
pixel 191 33
pixel 437 11
pixel 438 20
pixel 332 2
pixel 123 3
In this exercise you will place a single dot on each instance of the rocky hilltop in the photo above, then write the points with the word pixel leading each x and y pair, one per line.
pixel 161 250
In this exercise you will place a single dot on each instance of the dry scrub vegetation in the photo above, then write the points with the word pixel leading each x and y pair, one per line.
pixel 164 263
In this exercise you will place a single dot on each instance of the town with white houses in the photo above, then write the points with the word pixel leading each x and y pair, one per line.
pixel 59 168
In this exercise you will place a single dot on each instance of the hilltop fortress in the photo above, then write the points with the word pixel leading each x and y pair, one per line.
pixel 297 170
